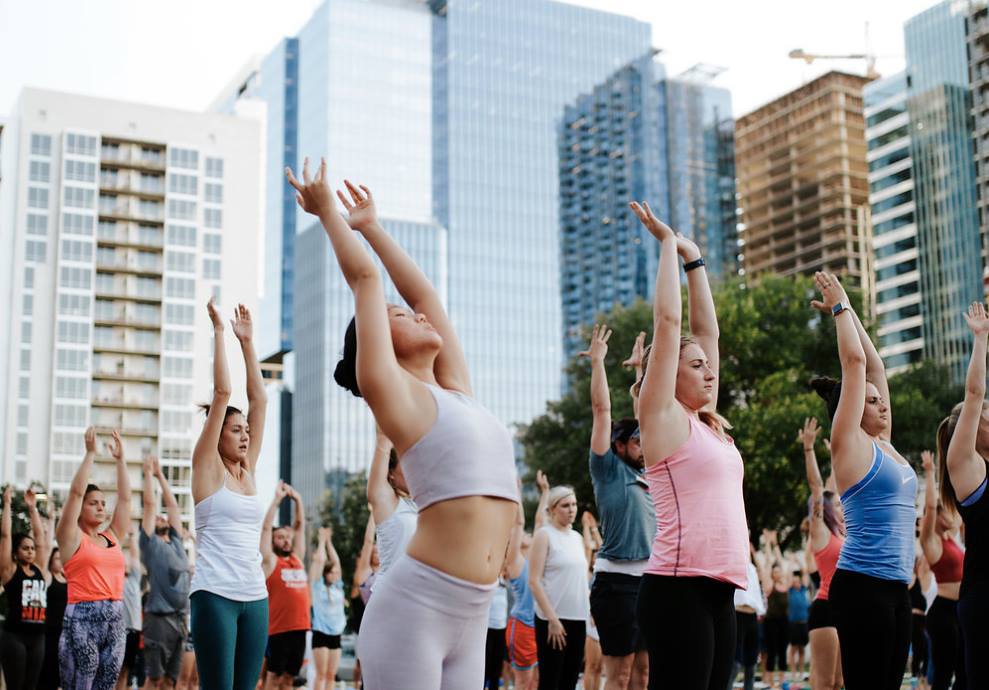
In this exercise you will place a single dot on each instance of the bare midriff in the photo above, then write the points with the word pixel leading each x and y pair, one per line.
pixel 465 537
pixel 949 590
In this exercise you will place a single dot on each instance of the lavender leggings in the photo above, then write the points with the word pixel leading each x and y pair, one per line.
pixel 424 630
pixel 91 648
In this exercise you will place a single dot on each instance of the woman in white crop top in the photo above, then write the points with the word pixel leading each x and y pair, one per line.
pixel 457 458
pixel 392 508
pixel 229 599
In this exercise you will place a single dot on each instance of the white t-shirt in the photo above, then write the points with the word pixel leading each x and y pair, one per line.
pixel 565 575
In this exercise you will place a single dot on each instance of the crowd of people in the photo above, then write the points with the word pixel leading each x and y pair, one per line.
pixel 661 587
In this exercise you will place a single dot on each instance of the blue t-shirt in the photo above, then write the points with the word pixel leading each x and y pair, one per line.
pixel 524 607
pixel 627 514
pixel 328 616
pixel 799 604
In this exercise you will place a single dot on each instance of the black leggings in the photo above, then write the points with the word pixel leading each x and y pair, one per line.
pixel 21 656
pixel 918 646
pixel 873 619
pixel 973 612
pixel 495 652
pixel 559 668
pixel 947 652
pixel 746 649
pixel 689 627
pixel 775 630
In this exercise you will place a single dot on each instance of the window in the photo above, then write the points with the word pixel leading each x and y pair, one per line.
pixel 149 209
pixel 72 360
pixel 72 277
pixel 181 210
pixel 37 224
pixel 180 234
pixel 175 420
pixel 176 449
pixel 183 184
pixel 178 340
pixel 35 250
pixel 212 217
pixel 176 393
pixel 211 269
pixel 25 360
pixel 213 192
pixel 26 332
pixel 37 197
pixel 182 262
pixel 177 367
pixel 212 243
pixel 23 414
pixel 214 167
pixel 73 332
pixel 27 305
pixel 28 277
pixel 183 158
pixel 41 145
pixel 180 314
pixel 70 415
pixel 21 468
pixel 183 288
pixel 77 197
pixel 77 224
pixel 73 305
pixel 80 144
pixel 71 387
pixel 66 442
pixel 39 171
pixel 77 250
pixel 80 171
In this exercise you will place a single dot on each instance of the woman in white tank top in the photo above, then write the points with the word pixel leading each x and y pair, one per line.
pixel 394 512
pixel 229 599
pixel 558 580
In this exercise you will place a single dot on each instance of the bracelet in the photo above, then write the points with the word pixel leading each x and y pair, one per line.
pixel 696 263
pixel 809 450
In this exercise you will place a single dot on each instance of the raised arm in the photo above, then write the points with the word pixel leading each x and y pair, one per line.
pixel 363 565
pixel 412 284
pixel 966 469
pixel 819 532
pixel 634 361
pixel 207 469
pixel 149 501
pixel 929 540
pixel 394 396
pixel 318 559
pixel 171 505
pixel 67 530
pixel 703 318
pixel 299 526
pixel 537 566
pixel 133 550
pixel 267 552
pixel 7 565
pixel 42 545
pixel 662 419
pixel 120 522
pixel 600 394
pixel 514 560
pixel 380 494
pixel 257 398
pixel 540 518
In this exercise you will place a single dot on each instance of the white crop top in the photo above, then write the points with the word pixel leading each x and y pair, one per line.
pixel 395 533
pixel 467 452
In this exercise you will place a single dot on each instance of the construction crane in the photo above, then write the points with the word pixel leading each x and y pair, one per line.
pixel 870 59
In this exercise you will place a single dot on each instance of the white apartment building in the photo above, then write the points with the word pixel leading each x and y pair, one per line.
pixel 117 222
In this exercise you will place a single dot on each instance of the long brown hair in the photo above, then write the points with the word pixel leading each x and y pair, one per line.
pixel 945 430
pixel 712 419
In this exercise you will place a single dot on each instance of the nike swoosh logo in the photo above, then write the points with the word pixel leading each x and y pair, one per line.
pixel 905 480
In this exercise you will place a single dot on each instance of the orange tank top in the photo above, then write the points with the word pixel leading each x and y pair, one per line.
pixel 95 573
pixel 288 596
pixel 827 560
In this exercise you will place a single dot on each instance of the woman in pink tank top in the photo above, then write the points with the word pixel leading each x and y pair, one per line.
pixel 701 549
pixel 827 534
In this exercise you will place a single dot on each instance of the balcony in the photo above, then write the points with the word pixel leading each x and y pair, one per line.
pixel 132 182
pixel 133 156
pixel 129 342
pixel 121 370
pixel 128 423
pixel 128 235
pixel 134 402
pixel 123 208
pixel 127 287
pixel 136 316
pixel 129 261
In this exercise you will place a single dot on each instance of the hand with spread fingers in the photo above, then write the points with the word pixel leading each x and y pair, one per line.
pixel 360 206
pixel 314 194
pixel 927 461
pixel 635 359
pixel 977 319
pixel 214 314
pixel 116 447
pixel 831 292
pixel 807 436
pixel 242 325
pixel 90 439
pixel 598 348
pixel 657 228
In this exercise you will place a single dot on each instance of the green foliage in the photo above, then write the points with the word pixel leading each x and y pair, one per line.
pixel 347 514
pixel 18 508
pixel 772 343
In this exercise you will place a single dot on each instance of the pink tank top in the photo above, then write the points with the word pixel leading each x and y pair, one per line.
pixel 701 529
pixel 827 560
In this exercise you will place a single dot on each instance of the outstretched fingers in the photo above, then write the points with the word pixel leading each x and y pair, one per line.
pixel 355 193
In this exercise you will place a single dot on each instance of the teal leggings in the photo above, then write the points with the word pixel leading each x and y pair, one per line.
pixel 230 637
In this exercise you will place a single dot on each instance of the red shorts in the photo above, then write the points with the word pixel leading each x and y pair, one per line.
pixel 521 642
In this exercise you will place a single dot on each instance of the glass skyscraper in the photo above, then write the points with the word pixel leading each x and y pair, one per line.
pixel 640 135
pixel 949 246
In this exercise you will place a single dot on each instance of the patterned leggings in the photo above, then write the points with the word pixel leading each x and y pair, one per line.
pixel 91 648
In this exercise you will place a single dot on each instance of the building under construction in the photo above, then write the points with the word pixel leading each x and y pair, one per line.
pixel 803 181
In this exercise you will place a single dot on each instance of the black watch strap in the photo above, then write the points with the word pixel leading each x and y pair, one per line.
pixel 696 263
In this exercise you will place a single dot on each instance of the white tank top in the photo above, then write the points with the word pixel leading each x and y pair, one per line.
pixel 394 533
pixel 565 575
pixel 228 556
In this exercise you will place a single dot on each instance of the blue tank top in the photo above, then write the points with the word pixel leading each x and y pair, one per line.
pixel 880 514
pixel 328 616
pixel 524 608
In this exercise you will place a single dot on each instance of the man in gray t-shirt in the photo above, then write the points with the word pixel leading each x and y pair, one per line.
pixel 167 565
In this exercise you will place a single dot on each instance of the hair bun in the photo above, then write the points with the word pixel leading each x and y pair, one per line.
pixel 824 386
pixel 346 377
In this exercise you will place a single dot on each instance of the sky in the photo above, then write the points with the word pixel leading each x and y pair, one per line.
pixel 181 53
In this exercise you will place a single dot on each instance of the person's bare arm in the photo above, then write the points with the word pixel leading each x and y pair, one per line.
pixel 257 398
pixel 966 469
pixel 537 566
pixel 318 559
pixel 120 522
pixel 207 468
pixel 363 567
pixel 171 505
pixel 819 532
pixel 543 483
pixel 929 541
pixel 380 494
pixel 703 317
pixel 7 565
pixel 299 526
pixel 149 501
pixel 635 361
pixel 600 394
pixel 42 545
pixel 515 561
pixel 267 527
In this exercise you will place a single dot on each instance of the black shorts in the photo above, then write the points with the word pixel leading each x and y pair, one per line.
pixel 820 615
pixel 286 651
pixel 323 640
pixel 614 598
pixel 798 634
pixel 131 647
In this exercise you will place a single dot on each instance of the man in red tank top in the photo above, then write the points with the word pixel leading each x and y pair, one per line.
pixel 282 553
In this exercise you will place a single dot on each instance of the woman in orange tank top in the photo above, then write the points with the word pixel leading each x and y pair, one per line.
pixel 92 645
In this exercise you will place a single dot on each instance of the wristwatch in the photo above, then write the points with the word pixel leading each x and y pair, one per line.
pixel 838 308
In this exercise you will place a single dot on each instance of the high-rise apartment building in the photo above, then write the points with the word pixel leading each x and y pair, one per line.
pixel 120 221
pixel 949 246
pixel 896 290
pixel 978 53
pixel 803 180
pixel 451 123
pixel 640 135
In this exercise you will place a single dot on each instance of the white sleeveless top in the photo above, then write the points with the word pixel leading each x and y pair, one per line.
pixel 394 533
pixel 565 575
pixel 228 555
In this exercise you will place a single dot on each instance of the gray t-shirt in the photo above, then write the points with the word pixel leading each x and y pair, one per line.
pixel 168 573
pixel 132 599
pixel 628 518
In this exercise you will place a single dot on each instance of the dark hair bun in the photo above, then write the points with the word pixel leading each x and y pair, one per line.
pixel 830 390
pixel 346 372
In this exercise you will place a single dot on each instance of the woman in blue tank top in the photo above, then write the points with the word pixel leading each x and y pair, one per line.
pixel 869 597
pixel 963 450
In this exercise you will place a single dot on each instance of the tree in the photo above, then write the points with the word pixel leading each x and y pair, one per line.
pixel 771 345
pixel 347 515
